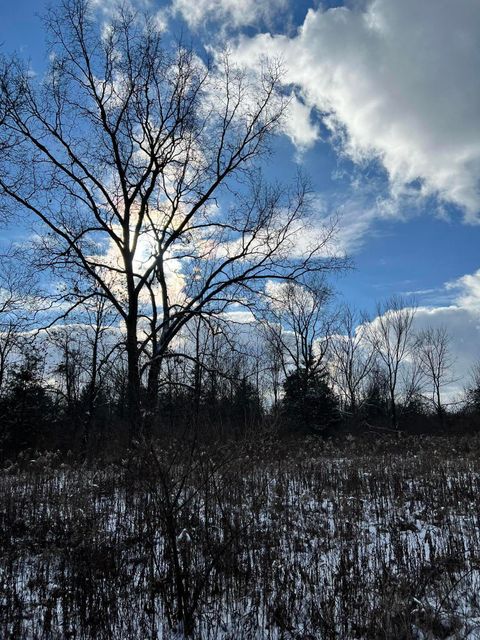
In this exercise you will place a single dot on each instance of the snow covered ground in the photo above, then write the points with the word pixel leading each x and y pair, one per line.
pixel 362 541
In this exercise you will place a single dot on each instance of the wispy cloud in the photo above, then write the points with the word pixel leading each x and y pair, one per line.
pixel 232 13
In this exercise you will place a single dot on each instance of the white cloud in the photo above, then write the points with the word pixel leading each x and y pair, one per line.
pixel 235 13
pixel 298 124
pixel 394 80
pixel 468 290
pixel 360 211
pixel 110 7
pixel 358 219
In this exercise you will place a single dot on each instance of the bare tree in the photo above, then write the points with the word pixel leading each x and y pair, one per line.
pixel 274 356
pixel 299 325
pixel 390 334
pixel 353 357
pixel 9 327
pixel 18 306
pixel 102 341
pixel 432 349
pixel 224 362
pixel 120 152
pixel 69 369
pixel 413 381
pixel 472 388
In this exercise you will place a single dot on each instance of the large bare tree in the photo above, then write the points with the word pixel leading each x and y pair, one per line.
pixel 138 161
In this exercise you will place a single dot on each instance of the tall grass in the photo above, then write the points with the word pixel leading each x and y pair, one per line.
pixel 367 539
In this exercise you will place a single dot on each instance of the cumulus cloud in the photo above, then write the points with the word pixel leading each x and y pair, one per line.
pixel 467 290
pixel 395 81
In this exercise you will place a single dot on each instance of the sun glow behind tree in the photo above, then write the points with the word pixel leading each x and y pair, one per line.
pixel 122 152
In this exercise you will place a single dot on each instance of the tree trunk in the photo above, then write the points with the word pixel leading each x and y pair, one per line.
pixel 393 408
pixel 353 403
pixel 92 393
pixel 133 379
pixel 440 412
pixel 151 407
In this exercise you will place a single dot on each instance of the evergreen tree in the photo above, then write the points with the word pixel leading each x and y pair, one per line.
pixel 246 408
pixel 27 408
pixel 309 404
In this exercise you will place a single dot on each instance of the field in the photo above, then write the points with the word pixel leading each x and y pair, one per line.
pixel 372 538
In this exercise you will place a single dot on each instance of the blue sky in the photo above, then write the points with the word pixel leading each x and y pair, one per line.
pixel 386 124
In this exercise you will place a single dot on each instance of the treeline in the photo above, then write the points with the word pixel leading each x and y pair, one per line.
pixel 299 367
